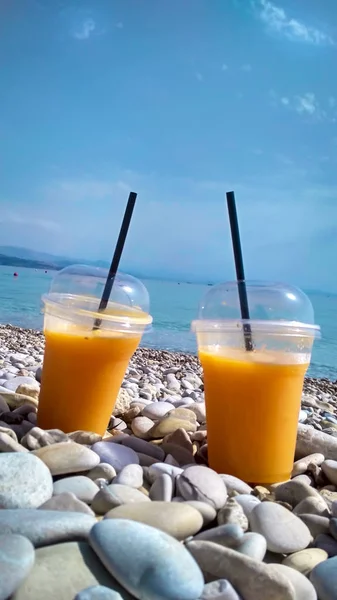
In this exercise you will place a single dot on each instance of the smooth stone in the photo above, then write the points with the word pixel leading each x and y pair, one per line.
pixel 199 409
pixel 162 568
pixel 16 400
pixel 63 570
pixel 170 423
pixel 179 437
pixel 315 523
pixel 159 468
pixel 157 410
pixel 3 405
pixel 301 466
pixel 143 447
pixel 312 505
pixel 16 561
pixel 247 503
pixel 334 508
pixel 324 579
pixel 231 536
pixel 310 441
pixel 25 481
pixel 131 475
pixel 67 457
pixel 234 484
pixel 285 532
pixel 122 403
pixel 84 437
pixel 83 487
pixel 305 560
pixel 67 502
pixel 207 511
pixel 225 535
pixel 252 579
pixel 177 519
pixel 98 592
pixel 203 484
pixel 329 496
pixel 9 432
pixel 162 488
pixel 116 455
pixel 219 590
pixel 145 460
pixel 293 492
pixel 304 590
pixel 29 389
pixel 333 527
pixel 327 543
pixel 114 495
pixel 170 460
pixel 102 471
pixel 180 455
pixel 329 468
pixel 233 512
pixel 45 527
pixel 13 384
pixel 141 426
pixel 8 444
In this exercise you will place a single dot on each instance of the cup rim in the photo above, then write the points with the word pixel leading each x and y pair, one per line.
pixel 128 321
pixel 289 328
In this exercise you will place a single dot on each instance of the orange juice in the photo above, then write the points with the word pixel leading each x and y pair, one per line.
pixel 252 406
pixel 82 374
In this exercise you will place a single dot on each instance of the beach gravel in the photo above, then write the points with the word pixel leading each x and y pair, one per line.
pixel 138 513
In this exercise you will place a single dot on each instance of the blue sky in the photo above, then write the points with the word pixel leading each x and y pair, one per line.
pixel 179 100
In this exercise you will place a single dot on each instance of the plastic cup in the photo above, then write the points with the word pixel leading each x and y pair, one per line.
pixel 253 397
pixel 84 367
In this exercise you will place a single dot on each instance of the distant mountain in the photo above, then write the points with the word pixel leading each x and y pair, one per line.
pixel 16 256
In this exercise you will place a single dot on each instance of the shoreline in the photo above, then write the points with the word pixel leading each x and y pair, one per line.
pixel 319 398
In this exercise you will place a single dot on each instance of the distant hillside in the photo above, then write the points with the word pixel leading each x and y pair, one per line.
pixel 16 256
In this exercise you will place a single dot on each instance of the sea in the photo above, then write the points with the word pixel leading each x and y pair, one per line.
pixel 173 306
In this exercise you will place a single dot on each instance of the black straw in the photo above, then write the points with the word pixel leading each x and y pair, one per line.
pixel 240 274
pixel 116 257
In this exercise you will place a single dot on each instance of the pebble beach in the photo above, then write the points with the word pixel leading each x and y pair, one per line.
pixel 138 513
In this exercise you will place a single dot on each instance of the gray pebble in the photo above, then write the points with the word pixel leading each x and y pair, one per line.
pixel 162 488
pixel 327 543
pixel 67 457
pixel 67 501
pixel 202 483
pixel 144 447
pixel 25 481
pixel 232 513
pixel 161 566
pixel 233 484
pixel 131 475
pixel 45 527
pixel 285 532
pixel 114 495
pixel 102 471
pixel 83 487
pixel 304 590
pixel 324 579
pixel 63 570
pixel 219 590
pixel 116 455
pixel 16 561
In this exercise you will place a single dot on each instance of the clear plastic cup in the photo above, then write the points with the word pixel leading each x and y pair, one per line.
pixel 83 367
pixel 253 397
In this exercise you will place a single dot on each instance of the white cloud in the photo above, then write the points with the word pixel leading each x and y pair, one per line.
pixel 332 102
pixel 277 20
pixel 86 29
pixel 224 67
pixel 247 68
pixel 306 104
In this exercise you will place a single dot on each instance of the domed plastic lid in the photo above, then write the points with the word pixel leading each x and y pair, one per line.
pixel 271 306
pixel 77 290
